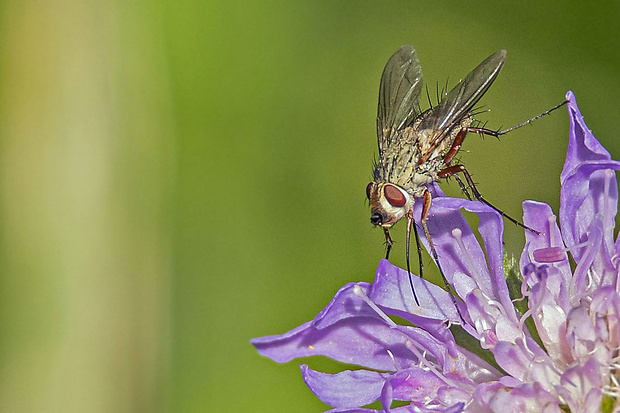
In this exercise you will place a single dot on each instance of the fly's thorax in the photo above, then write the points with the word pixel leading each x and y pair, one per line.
pixel 399 161
pixel 417 185
pixel 389 203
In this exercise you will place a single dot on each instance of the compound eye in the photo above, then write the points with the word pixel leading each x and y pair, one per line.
pixel 394 196
pixel 369 189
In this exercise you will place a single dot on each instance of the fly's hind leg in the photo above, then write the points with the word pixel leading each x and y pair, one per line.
pixel 456 146
pixel 498 133
pixel 462 186
pixel 452 170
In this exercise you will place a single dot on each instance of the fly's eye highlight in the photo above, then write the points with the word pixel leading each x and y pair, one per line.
pixel 368 189
pixel 394 196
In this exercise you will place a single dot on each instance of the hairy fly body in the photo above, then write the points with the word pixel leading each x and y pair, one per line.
pixel 417 148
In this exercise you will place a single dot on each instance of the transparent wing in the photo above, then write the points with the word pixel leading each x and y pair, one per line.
pixel 399 93
pixel 463 96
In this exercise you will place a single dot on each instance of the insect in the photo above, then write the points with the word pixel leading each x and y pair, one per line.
pixel 416 148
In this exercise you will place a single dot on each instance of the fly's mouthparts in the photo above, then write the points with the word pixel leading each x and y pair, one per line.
pixel 376 218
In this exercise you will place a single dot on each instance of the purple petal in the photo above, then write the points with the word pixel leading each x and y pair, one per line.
pixel 587 189
pixel 594 266
pixel 363 339
pixel 513 359
pixel 387 396
pixel 457 408
pixel 551 326
pixel 586 194
pixel 415 384
pixel 580 381
pixel 581 332
pixel 360 342
pixel 391 289
pixel 353 389
pixel 345 304
pixel 582 145
pixel 346 389
pixel 525 398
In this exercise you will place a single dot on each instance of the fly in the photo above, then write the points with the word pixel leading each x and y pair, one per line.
pixel 416 148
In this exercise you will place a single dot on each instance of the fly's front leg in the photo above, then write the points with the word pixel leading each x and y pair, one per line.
pixel 451 170
pixel 388 243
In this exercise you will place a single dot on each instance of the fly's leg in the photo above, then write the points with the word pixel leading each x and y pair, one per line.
pixel 527 122
pixel 411 223
pixel 456 146
pixel 426 205
pixel 388 243
pixel 460 136
pixel 462 186
pixel 451 170
pixel 417 243
pixel 496 133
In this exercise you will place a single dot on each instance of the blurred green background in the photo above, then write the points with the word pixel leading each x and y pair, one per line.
pixel 178 177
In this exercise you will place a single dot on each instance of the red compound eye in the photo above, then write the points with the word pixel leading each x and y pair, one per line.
pixel 394 196
pixel 368 189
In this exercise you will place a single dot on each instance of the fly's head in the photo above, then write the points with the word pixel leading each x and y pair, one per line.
pixel 388 202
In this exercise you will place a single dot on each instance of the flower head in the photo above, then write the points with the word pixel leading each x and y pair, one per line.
pixel 559 354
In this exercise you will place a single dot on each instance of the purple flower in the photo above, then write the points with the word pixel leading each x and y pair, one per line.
pixel 560 354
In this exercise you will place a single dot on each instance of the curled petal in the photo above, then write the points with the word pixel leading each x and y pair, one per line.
pixel 363 339
pixel 583 147
pixel 587 188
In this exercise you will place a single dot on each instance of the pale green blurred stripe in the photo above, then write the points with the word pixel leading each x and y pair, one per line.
pixel 85 164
